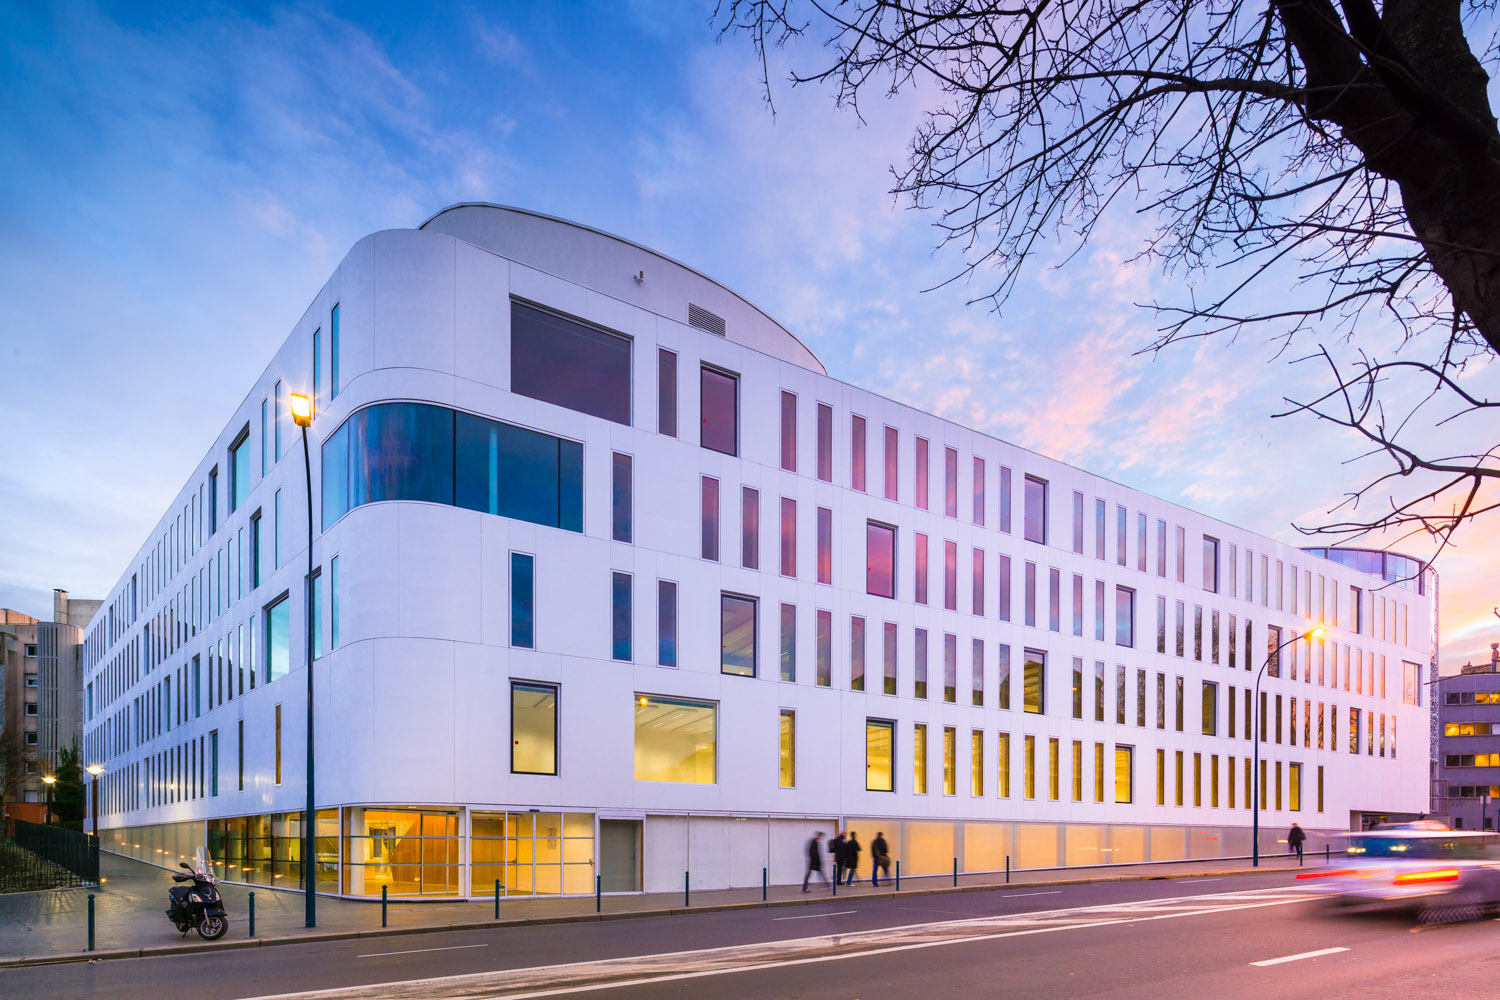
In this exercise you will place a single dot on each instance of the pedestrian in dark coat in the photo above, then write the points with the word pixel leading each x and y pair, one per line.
pixel 851 856
pixel 814 859
pixel 1295 839
pixel 880 857
pixel 836 848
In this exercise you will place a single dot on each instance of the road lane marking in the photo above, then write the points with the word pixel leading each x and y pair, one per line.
pixel 1298 958
pixel 418 951
pixel 1195 881
pixel 809 916
pixel 1049 892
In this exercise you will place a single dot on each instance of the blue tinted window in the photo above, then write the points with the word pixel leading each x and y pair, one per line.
pixel 521 597
pixel 239 470
pixel 621 498
pixel 333 353
pixel 666 623
pixel 401 451
pixel 738 635
pixel 278 639
pixel 621 616
pixel 560 360
pixel 336 475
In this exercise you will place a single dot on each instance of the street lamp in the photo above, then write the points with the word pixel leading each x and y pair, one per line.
pixel 50 780
pixel 302 416
pixel 1316 633
pixel 95 770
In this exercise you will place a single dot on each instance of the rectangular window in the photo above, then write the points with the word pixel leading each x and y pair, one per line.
pixel 1210 564
pixel 710 518
pixel 1002 585
pixel 950 482
pixel 1028 766
pixel 890 658
pixel 919 758
pixel 275 421
pixel 1140 542
pixel 1077 687
pixel 1054 599
pixel 1002 764
pixel 978 490
pixel 1122 534
pixel 1179 705
pixel 976 763
pixel 1036 510
pixel 666 623
pixel 1053 789
pixel 1077 521
pixel 276 531
pixel 333 603
pixel 825 545
pixel 621 498
pixel 719 410
pixel 880 739
pixel 1030 594
pixel 890 463
pixel 567 362
pixel 317 367
pixel 1005 499
pixel 255 544
pixel 1100 528
pixel 1161 548
pixel 856 653
pixel 265 441
pixel 522 601
pixel 950 667
pixel 1181 628
pixel 1122 695
pixel 788 748
pixel 666 392
pixel 977 557
pixel 278 638
pixel 880 559
pixel 789 643
pixel 1210 708
pixel 950 575
pixel 239 470
pixel 788 431
pixel 316 593
pixel 213 766
pixel 950 760
pixel 1098 690
pixel 1099 610
pixel 737 618
pixel 620 616
pixel 824 651
pixel 978 663
pixel 1140 698
pixel 749 528
pixel 1198 632
pixel 1077 770
pixel 278 745
pixel 857 442
pixel 1002 667
pixel 919 562
pixel 1035 679
pixel 825 442
pixel 333 352
pixel 676 740
pixel 533 728
pixel 1124 774
pixel 1124 616
pixel 919 662
pixel 788 537
pixel 922 476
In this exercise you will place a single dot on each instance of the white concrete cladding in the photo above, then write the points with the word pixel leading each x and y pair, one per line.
pixel 414 703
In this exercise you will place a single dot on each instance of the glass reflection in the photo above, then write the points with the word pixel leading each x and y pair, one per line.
pixel 738 620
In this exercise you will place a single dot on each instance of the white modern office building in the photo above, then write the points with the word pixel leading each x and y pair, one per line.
pixel 611 578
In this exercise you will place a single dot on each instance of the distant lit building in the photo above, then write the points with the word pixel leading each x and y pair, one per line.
pixel 610 577
pixel 1467 790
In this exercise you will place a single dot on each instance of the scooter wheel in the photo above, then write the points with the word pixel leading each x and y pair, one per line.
pixel 212 928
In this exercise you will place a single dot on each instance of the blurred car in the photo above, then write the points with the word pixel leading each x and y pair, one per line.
pixel 1421 867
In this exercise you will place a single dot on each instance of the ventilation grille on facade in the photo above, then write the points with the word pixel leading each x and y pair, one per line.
pixel 705 320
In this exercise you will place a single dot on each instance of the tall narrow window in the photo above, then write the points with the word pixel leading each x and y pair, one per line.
pixel 737 615
pixel 622 498
pixel 1077 521
pixel 278 644
pixel 333 603
pixel 856 653
pixel 1099 610
pixel 278 745
pixel 317 367
pixel 950 575
pixel 788 537
pixel 1210 564
pixel 666 623
pixel 919 662
pixel 1005 499
pixel 522 595
pixel 978 581
pixel 620 616
pixel 719 395
pixel 978 672
pixel 333 352
pixel 880 738
pixel 1122 534
pixel 890 463
pixel 825 442
pixel 666 392
pixel 1099 528
pixel 880 559
pixel 239 470
pixel 950 760
pixel 857 441
pixel 825 545
pixel 533 728
pixel 1140 542
pixel 919 758
pixel 1029 586
pixel 922 476
pixel 315 593
pixel 824 648
pixel 978 489
pixel 276 419
pixel 749 528
pixel 950 667
pixel 1035 682
pixel 255 550
pixel 889 657
pixel 240 750
pixel 788 742
pixel 1028 766
pixel 950 482
pixel 1002 675
pixel 919 562
pixel 213 500
pixel 213 766
pixel 265 442
pixel 1036 510
pixel 1077 770
pixel 1002 585
pixel 1124 616
pixel 789 643
pixel 1002 764
pixel 1054 599
pixel 710 518
pixel 976 763
pixel 1077 687
pixel 1181 555
pixel 1077 604
pixel 275 531
pixel 788 431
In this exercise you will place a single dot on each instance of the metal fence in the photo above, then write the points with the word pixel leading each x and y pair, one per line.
pixel 68 855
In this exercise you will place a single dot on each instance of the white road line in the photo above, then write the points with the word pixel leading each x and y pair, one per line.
pixel 1049 892
pixel 418 951
pixel 1193 881
pixel 1298 958
pixel 809 916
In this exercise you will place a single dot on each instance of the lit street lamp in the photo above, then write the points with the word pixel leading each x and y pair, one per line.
pixel 1255 727
pixel 50 780
pixel 302 417
pixel 95 770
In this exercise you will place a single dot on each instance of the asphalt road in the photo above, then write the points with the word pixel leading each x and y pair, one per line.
pixel 1189 937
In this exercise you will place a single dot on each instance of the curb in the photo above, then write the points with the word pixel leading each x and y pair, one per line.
pixel 162 951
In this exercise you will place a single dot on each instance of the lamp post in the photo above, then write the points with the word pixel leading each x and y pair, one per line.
pixel 50 780
pixel 302 416
pixel 1256 720
pixel 94 770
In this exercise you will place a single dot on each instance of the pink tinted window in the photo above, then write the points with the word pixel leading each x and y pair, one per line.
pixel 825 545
pixel 857 453
pixel 950 482
pixel 719 397
pixel 880 559
pixel 710 518
pixel 950 575
pixel 978 490
pixel 890 662
pixel 825 442
pixel 920 562
pixel 1002 585
pixel 788 537
pixel 979 581
pixel 788 431
pixel 920 497
pixel 890 463
pixel 666 392
pixel 749 528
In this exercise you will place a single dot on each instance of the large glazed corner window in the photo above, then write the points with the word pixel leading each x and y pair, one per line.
pixel 719 409
pixel 415 451
pixel 239 470
pixel 533 728
pixel 570 363
pixel 1035 678
pixel 737 615
pixel 1036 510
pixel 880 736
pixel 675 740
pixel 880 559
pixel 278 638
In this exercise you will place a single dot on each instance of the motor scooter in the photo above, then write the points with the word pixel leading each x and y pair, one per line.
pixel 197 903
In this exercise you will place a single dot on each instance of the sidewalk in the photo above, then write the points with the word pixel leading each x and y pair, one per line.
pixel 130 918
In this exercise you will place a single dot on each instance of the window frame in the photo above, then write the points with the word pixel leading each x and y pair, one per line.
pixel 538 686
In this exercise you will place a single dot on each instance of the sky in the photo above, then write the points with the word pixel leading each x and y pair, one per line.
pixel 177 185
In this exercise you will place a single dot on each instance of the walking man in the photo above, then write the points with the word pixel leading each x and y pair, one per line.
pixel 836 848
pixel 814 859
pixel 880 857
pixel 851 856
pixel 1294 838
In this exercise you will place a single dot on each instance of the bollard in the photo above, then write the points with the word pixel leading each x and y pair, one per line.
pixel 598 894
pixel 685 896
pixel 497 899
pixel 835 879
pixel 1007 869
pixel 955 873
pixel 252 913
pixel 384 900
pixel 898 875
pixel 91 921
pixel 1325 854
pixel 765 880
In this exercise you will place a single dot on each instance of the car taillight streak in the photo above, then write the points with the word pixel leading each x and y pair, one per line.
pixel 1421 878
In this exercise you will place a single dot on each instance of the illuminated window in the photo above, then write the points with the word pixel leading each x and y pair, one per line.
pixel 1028 766
pixel 976 763
pixel 919 759
pixel 533 728
pixel 788 748
pixel 1035 680
pixel 1002 764
pixel 950 760
pixel 880 735
pixel 675 740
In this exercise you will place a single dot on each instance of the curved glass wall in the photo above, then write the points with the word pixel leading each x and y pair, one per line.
pixel 1403 571
pixel 418 451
